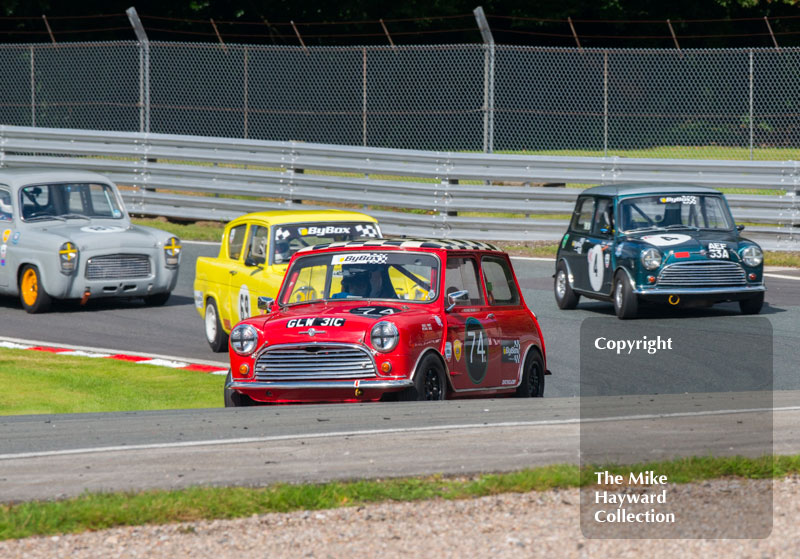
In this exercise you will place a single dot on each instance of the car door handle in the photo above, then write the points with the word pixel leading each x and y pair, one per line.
pixel 232 272
pixel 490 315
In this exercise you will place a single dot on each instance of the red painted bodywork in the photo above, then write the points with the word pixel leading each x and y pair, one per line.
pixel 516 322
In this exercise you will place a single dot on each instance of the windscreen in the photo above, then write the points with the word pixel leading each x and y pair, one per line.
pixel 365 275
pixel 692 211
pixel 66 201
pixel 290 238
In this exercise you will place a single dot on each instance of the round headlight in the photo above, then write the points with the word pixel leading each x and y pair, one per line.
pixel 68 257
pixel 651 258
pixel 172 251
pixel 244 339
pixel 752 256
pixel 384 336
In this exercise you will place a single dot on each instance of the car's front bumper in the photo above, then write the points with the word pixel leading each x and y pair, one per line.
pixel 708 293
pixel 349 385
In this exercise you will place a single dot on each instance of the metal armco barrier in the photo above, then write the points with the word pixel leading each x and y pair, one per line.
pixel 412 192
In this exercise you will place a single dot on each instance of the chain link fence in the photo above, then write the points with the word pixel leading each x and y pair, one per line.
pixel 718 104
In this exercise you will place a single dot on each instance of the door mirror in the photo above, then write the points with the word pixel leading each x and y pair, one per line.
pixel 454 297
pixel 740 227
pixel 251 262
pixel 265 304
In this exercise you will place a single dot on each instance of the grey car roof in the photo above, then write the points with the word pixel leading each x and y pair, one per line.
pixel 652 188
pixel 23 176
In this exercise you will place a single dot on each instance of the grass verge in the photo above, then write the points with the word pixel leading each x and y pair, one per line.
pixel 212 231
pixel 106 510
pixel 44 383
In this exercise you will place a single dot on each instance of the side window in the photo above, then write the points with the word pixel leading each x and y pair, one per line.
pixel 604 218
pixel 462 274
pixel 500 286
pixel 257 247
pixel 35 201
pixel 236 241
pixel 6 211
pixel 582 218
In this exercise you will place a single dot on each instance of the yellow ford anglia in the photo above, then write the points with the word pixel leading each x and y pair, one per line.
pixel 253 257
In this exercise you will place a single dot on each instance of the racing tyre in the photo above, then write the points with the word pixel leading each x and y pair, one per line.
pixel 235 399
pixel 626 304
pixel 429 382
pixel 31 291
pixel 215 335
pixel 752 305
pixel 566 298
pixel 532 385
pixel 156 300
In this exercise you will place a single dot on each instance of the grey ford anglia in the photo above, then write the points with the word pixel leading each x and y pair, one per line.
pixel 66 235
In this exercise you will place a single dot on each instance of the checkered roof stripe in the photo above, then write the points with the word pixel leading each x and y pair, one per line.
pixel 451 244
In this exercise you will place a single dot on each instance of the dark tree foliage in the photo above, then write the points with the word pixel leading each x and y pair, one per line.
pixel 436 21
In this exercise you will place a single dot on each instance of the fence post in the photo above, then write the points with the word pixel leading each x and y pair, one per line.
pixel 488 79
pixel 751 104
pixel 33 89
pixel 364 97
pixel 144 69
pixel 605 103
pixel 246 85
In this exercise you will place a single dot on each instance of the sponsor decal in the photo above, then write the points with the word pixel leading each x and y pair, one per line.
pixel 596 269
pixel 198 299
pixel 507 381
pixel 15 238
pixel 682 254
pixel 448 350
pixel 476 350
pixel 101 229
pixel 689 200
pixel 618 250
pixel 244 302
pixel 282 234
pixel 607 259
pixel 368 230
pixel 718 250
pixel 564 240
pixel 364 258
pixel 510 351
pixel 3 250
pixel 437 319
pixel 2 261
pixel 426 327
pixel 324 230
pixel 6 235
pixel 374 312
pixel 666 240
pixel 315 321
pixel 457 349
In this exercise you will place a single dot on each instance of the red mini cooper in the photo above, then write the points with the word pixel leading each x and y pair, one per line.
pixel 408 319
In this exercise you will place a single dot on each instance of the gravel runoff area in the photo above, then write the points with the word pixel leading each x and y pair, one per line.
pixel 537 524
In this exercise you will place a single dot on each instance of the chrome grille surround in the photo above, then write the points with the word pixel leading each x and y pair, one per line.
pixel 118 266
pixel 314 362
pixel 702 273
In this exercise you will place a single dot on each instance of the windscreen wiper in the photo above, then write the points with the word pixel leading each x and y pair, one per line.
pixel 681 226
pixel 75 216
pixel 45 217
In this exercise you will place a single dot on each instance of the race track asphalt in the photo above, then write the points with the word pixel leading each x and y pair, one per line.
pixel 176 329
pixel 49 456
